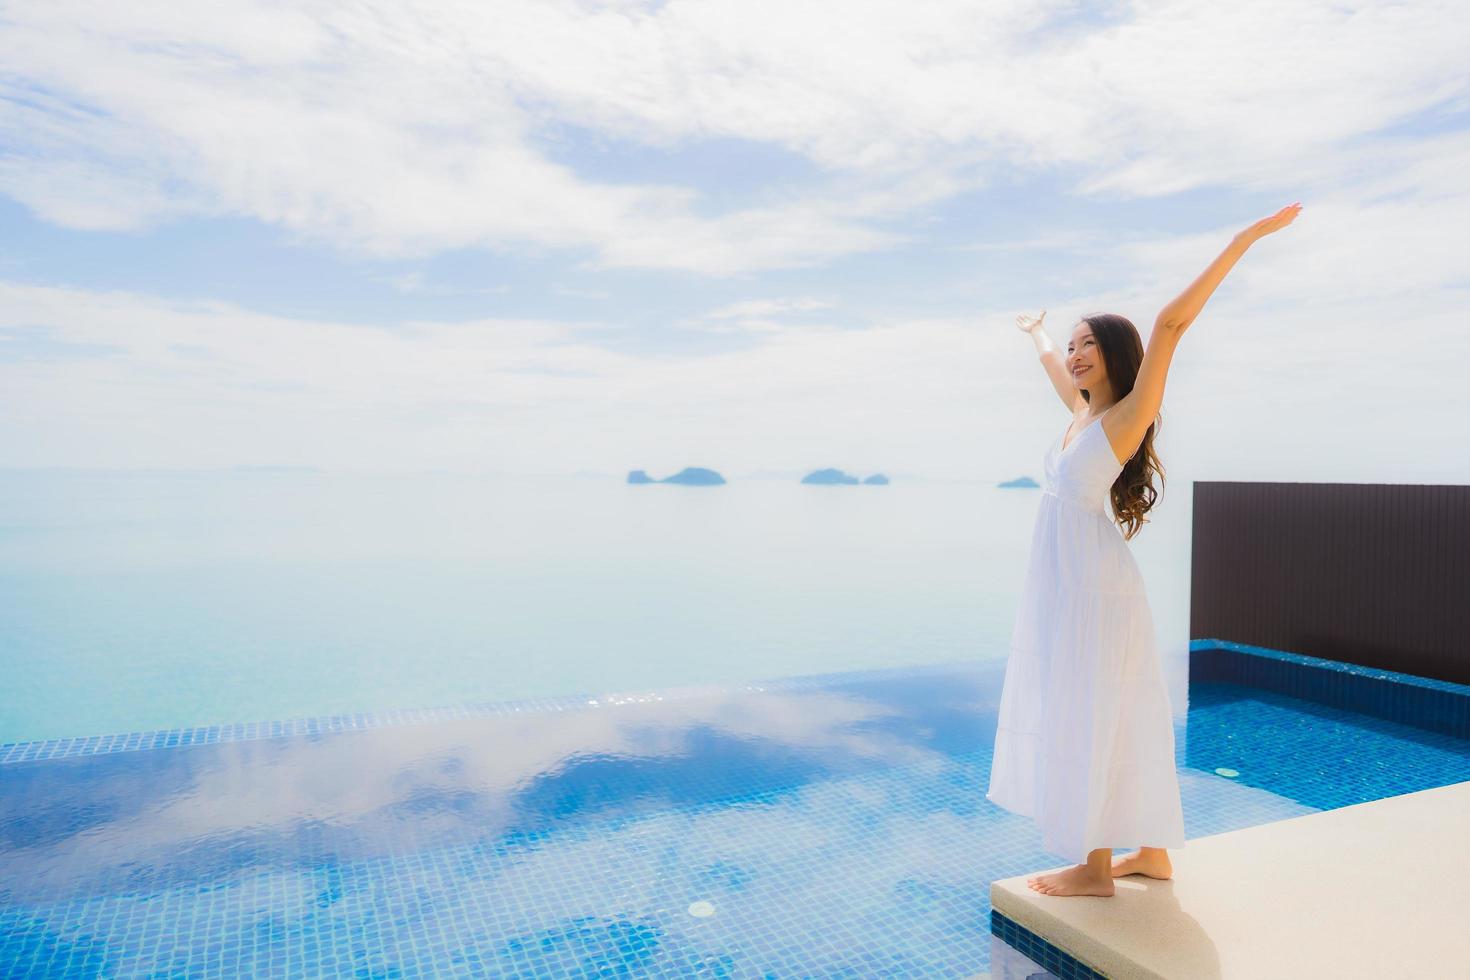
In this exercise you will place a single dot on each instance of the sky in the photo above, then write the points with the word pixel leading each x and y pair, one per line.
pixel 551 237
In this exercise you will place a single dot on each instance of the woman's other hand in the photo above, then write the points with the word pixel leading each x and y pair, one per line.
pixel 1026 323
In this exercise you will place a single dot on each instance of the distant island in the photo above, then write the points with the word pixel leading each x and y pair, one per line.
pixel 1024 482
pixel 695 476
pixel 831 477
pixel 689 476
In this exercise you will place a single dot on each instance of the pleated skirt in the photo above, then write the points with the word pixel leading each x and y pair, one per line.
pixel 1084 742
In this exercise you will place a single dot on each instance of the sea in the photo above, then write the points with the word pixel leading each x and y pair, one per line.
pixel 143 600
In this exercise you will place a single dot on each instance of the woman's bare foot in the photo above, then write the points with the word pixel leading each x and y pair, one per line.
pixel 1151 861
pixel 1078 880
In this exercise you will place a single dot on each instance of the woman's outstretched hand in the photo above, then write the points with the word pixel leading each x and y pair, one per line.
pixel 1026 324
pixel 1275 222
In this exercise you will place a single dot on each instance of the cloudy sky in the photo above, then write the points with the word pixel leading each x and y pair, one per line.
pixel 559 237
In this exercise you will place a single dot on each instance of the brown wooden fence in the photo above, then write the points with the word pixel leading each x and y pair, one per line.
pixel 1370 574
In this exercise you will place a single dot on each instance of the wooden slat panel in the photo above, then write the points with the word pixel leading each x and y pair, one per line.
pixel 1371 574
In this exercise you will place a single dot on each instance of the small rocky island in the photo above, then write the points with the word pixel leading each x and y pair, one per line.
pixel 689 476
pixel 1021 481
pixel 831 477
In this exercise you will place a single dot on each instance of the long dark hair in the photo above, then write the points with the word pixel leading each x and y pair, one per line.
pixel 1132 493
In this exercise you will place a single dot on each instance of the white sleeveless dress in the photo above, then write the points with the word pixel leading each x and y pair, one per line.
pixel 1084 743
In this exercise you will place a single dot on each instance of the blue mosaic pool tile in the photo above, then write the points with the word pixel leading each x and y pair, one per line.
pixel 436 912
pixel 1424 702
pixel 1057 961
pixel 836 826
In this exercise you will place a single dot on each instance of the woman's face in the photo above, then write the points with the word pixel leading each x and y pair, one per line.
pixel 1084 360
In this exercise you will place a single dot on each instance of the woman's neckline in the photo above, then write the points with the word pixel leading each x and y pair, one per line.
pixel 1066 445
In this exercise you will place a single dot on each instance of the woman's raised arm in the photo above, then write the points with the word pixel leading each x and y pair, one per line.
pixel 1180 313
pixel 1138 409
pixel 1051 359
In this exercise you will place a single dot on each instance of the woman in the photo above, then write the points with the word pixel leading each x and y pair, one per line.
pixel 1085 740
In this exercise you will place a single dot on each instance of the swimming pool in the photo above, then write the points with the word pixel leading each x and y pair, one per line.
pixel 832 825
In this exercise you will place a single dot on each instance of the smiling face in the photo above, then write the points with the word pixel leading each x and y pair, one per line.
pixel 1084 356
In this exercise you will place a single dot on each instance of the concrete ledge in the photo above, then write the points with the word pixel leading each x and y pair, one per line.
pixel 1379 889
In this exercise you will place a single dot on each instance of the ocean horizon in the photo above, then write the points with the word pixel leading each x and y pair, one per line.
pixel 143 600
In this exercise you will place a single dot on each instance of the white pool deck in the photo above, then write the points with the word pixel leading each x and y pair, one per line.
pixel 1378 889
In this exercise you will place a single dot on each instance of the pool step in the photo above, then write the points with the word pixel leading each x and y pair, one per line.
pixel 1373 890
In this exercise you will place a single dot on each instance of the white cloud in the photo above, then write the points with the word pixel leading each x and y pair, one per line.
pixel 405 128
pixel 209 384
pixel 1055 241
pixel 767 307
pixel 1296 348
pixel 760 316
pixel 415 282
